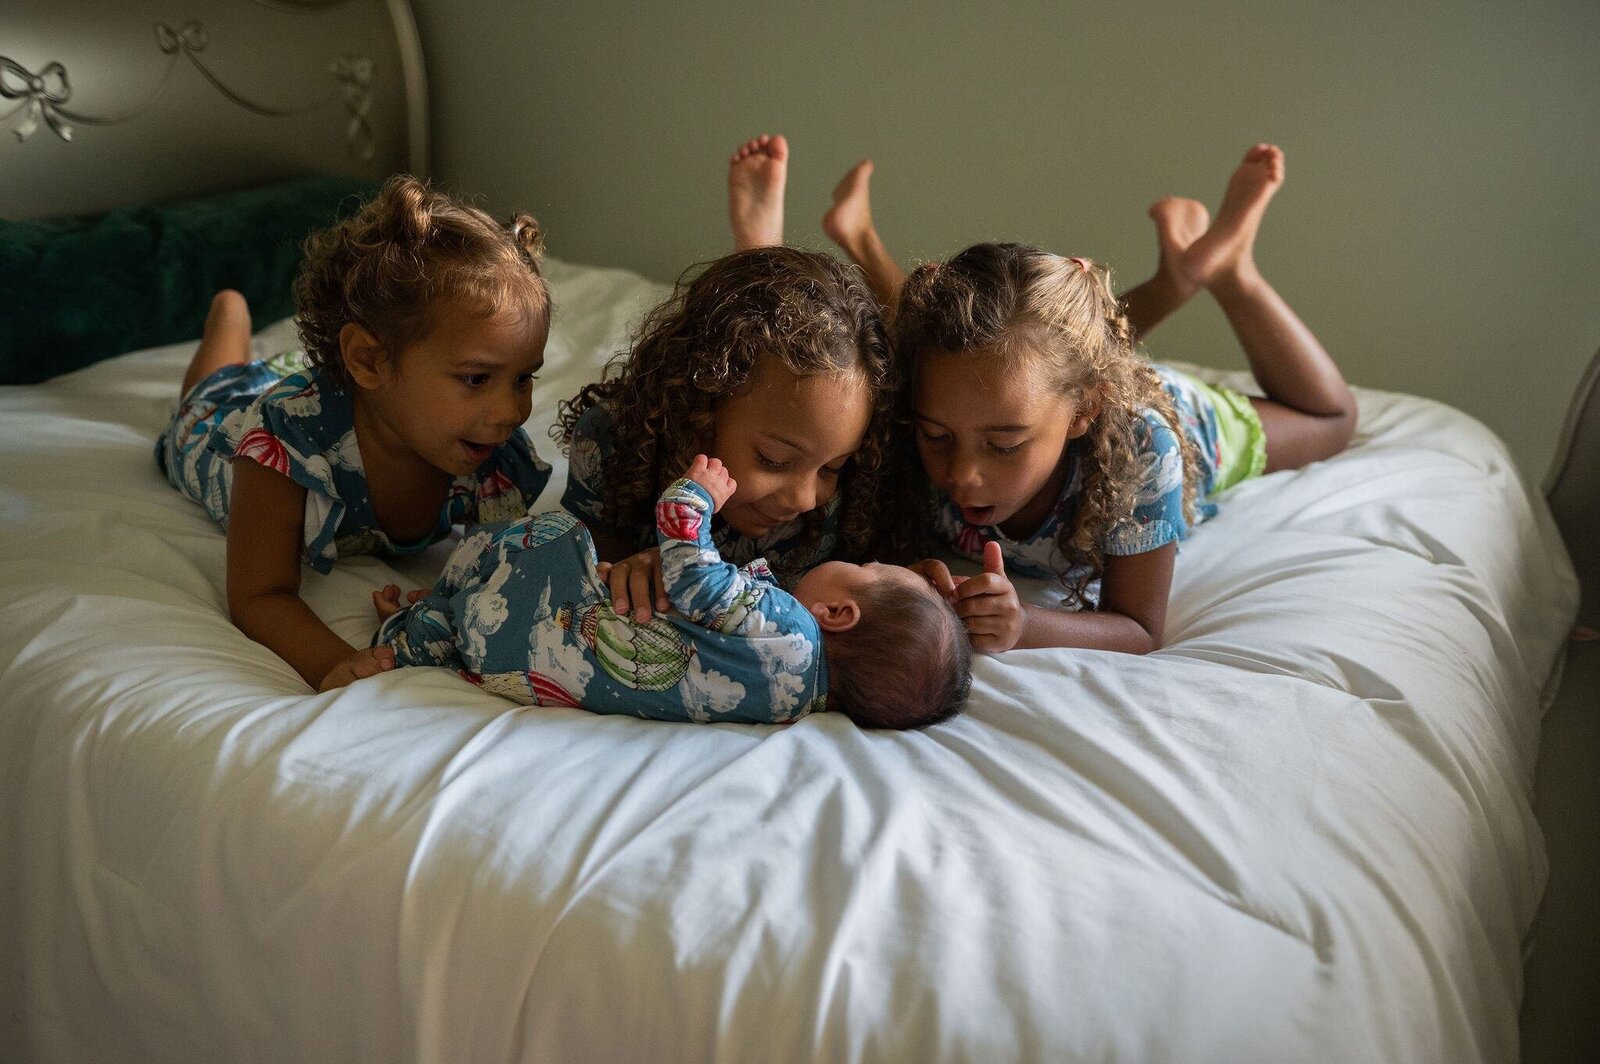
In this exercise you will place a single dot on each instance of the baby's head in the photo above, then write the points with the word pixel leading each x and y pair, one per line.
pixel 777 361
pixel 433 313
pixel 897 654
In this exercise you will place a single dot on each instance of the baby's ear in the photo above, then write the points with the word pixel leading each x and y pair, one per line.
pixel 840 616
pixel 363 355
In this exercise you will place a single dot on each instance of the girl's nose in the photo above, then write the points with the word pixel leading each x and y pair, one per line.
pixel 963 473
pixel 800 495
pixel 513 409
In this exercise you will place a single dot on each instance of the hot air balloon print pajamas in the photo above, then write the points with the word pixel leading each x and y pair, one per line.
pixel 521 610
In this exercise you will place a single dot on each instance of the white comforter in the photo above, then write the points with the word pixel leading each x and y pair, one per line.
pixel 1300 832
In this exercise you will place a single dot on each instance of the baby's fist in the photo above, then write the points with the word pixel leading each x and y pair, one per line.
pixel 712 475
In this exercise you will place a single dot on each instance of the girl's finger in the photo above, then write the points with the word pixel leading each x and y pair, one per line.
pixel 639 592
pixel 663 603
pixel 988 644
pixel 936 573
pixel 986 626
pixel 981 606
pixel 618 582
pixel 984 584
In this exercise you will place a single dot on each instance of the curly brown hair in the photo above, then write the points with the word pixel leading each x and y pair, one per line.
pixel 812 313
pixel 385 267
pixel 1019 303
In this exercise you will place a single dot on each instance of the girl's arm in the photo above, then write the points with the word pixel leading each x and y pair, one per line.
pixel 1132 613
pixel 1131 617
pixel 266 520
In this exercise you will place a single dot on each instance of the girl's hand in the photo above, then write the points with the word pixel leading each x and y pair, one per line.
pixel 988 605
pixel 712 475
pixel 387 602
pixel 359 666
pixel 633 581
pixel 937 573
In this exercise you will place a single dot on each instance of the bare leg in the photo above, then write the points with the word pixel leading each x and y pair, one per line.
pixel 226 341
pixel 756 176
pixel 1179 222
pixel 1309 413
pixel 848 223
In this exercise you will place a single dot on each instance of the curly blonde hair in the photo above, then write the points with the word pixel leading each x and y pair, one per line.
pixel 812 314
pixel 386 267
pixel 1058 315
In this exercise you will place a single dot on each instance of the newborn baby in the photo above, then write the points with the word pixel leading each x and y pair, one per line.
pixel 522 611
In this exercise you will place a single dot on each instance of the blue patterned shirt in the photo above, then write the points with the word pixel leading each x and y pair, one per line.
pixel 298 426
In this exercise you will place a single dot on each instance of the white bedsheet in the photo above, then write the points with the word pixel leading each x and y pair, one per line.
pixel 1302 831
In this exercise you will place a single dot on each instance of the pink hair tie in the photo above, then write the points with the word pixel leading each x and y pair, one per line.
pixel 1083 264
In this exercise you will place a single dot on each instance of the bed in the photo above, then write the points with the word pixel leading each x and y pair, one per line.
pixel 1300 831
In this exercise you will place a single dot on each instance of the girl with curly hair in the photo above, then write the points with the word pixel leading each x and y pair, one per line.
pixel 1055 449
pixel 424 321
pixel 773 359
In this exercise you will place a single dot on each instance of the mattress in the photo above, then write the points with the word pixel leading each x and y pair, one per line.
pixel 1301 830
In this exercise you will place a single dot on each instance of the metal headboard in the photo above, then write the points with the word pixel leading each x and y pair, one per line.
pixel 122 103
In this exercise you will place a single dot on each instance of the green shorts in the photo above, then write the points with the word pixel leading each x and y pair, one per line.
pixel 1240 437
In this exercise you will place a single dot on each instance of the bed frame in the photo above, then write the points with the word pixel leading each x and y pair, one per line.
pixel 124 103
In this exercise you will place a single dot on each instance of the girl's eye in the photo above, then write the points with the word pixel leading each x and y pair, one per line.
pixel 831 471
pixel 526 379
pixel 474 380
pixel 769 463
pixel 1013 449
pixel 934 438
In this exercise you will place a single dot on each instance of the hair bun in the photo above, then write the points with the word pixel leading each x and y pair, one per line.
pixel 528 236
pixel 408 209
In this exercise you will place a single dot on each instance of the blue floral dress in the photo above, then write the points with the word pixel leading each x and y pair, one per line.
pixel 521 611
pixel 788 548
pixel 304 429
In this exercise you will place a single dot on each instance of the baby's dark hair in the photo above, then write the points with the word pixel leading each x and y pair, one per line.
pixel 906 663
pixel 812 313
pixel 386 267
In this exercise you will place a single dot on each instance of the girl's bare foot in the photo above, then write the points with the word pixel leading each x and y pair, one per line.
pixel 1226 250
pixel 850 218
pixel 756 175
pixel 226 340
pixel 1179 223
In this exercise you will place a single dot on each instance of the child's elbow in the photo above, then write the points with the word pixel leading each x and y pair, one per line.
pixel 1143 638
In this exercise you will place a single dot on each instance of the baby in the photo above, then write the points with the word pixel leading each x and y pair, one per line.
pixel 523 610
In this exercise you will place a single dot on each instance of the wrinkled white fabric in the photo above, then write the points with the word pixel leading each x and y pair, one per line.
pixel 1302 831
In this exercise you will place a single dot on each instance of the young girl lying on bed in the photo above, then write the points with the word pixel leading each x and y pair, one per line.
pixel 777 361
pixel 523 610
pixel 1055 448
pixel 424 321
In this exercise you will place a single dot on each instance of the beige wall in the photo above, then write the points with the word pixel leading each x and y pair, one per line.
pixel 1440 228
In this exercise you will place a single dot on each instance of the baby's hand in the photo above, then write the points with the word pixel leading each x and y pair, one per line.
pixel 359 666
pixel 387 602
pixel 712 475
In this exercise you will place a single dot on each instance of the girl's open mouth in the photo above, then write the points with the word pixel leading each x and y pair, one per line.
pixel 477 451
pixel 977 515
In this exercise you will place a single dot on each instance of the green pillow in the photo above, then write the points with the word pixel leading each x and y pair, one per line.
pixel 74 291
